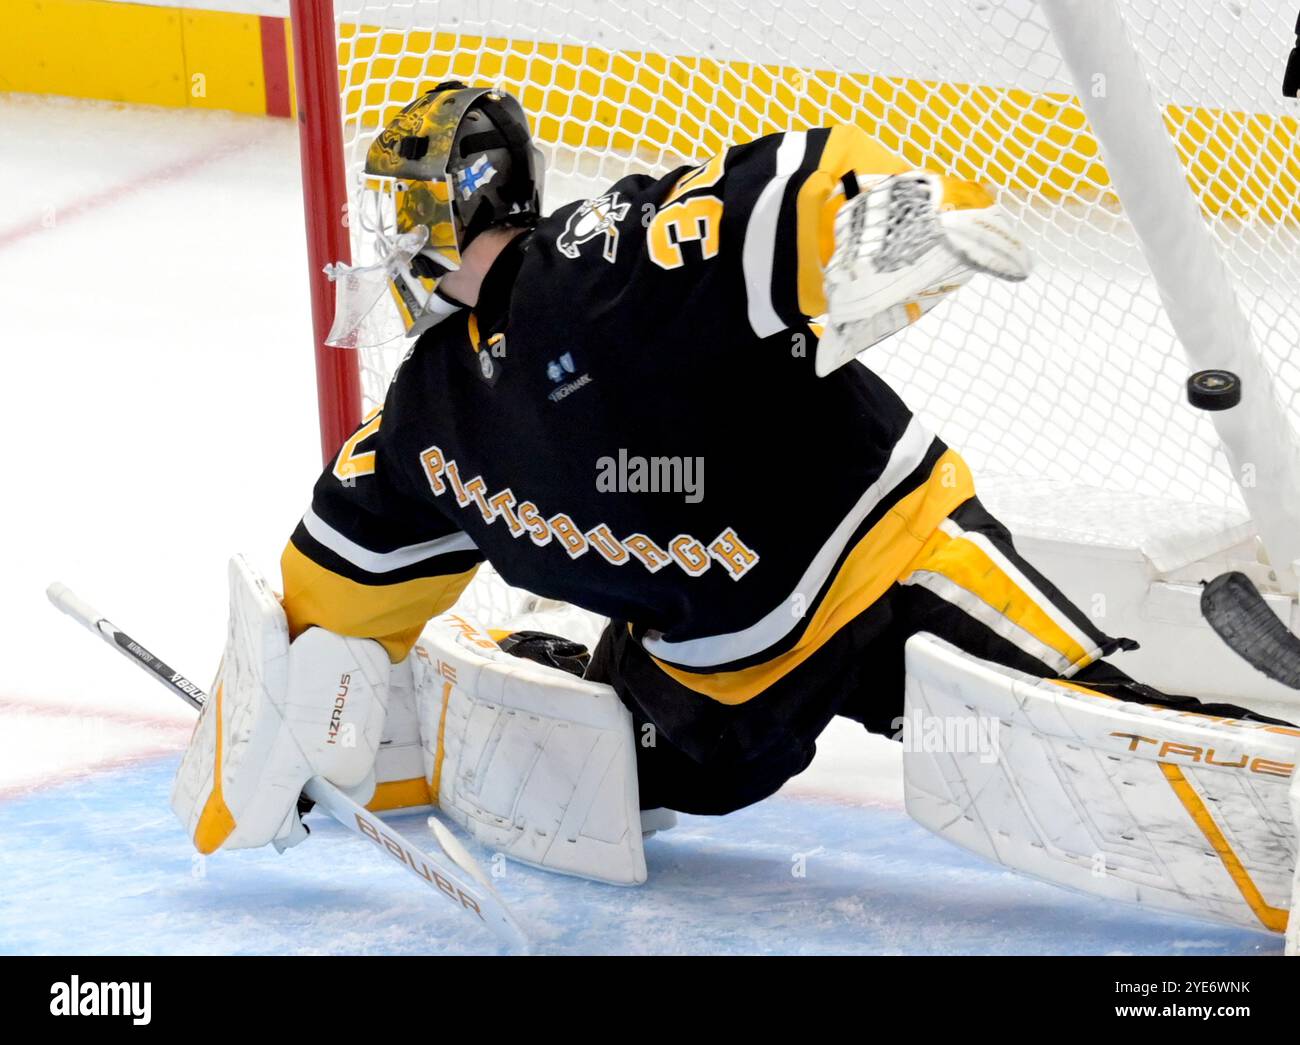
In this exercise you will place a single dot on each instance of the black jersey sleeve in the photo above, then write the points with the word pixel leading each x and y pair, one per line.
pixel 372 557
pixel 789 189
pixel 769 207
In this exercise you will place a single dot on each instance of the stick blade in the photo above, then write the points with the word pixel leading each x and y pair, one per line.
pixel 1234 608
pixel 473 894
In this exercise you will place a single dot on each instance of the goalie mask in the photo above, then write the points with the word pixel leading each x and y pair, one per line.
pixel 453 163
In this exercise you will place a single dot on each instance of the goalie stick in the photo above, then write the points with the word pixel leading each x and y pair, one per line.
pixel 454 874
pixel 1237 612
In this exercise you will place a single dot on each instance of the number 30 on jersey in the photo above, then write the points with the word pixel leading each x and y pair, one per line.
pixel 679 220
pixel 699 219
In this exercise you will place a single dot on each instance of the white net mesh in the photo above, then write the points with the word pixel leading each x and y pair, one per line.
pixel 1073 376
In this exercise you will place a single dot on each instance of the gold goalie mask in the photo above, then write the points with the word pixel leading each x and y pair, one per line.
pixel 456 161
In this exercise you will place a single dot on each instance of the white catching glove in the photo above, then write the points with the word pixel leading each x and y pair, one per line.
pixel 279 714
pixel 900 248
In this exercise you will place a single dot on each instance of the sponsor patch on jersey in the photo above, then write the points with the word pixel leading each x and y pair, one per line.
pixel 594 219
pixel 563 373
pixel 556 369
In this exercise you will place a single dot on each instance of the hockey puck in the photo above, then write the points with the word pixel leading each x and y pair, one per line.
pixel 1214 390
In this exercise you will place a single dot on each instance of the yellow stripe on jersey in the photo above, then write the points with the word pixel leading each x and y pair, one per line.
pixel 848 150
pixel 391 614
pixel 349 464
pixel 969 567
pixel 887 551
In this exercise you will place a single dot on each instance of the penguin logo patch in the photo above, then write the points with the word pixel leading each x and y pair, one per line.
pixel 598 217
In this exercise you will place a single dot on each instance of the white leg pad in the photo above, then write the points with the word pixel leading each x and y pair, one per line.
pixel 399 765
pixel 534 762
pixel 1183 812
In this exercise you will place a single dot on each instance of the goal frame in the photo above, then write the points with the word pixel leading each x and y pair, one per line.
pixel 1206 317
pixel 325 210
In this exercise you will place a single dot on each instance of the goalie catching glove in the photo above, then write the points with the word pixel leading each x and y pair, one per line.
pixel 280 714
pixel 900 248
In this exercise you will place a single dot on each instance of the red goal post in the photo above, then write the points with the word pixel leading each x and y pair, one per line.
pixel 325 201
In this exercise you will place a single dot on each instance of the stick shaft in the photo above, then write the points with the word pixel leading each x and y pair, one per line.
pixel 82 612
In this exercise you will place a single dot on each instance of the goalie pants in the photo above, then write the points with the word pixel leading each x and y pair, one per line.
pixel 971 587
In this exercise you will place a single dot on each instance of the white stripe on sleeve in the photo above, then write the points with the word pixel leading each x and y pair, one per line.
pixel 382 562
pixel 907 455
pixel 759 250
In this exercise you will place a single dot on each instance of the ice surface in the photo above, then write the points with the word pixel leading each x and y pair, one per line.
pixel 157 370
pixel 101 867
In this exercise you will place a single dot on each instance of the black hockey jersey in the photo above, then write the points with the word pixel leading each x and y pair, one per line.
pixel 629 421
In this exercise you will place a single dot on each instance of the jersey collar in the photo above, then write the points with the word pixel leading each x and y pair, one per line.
pixel 493 308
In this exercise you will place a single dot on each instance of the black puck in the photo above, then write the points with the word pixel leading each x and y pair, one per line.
pixel 1214 390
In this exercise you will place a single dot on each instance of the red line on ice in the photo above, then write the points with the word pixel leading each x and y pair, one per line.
pixel 72 773
pixel 174 732
pixel 114 194
pixel 52 709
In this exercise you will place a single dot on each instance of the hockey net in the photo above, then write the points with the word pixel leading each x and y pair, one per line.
pixel 1072 380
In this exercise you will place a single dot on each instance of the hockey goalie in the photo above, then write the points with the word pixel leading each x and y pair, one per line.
pixel 806 549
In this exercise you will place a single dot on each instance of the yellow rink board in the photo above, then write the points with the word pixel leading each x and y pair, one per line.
pixel 1247 165
pixel 134 53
